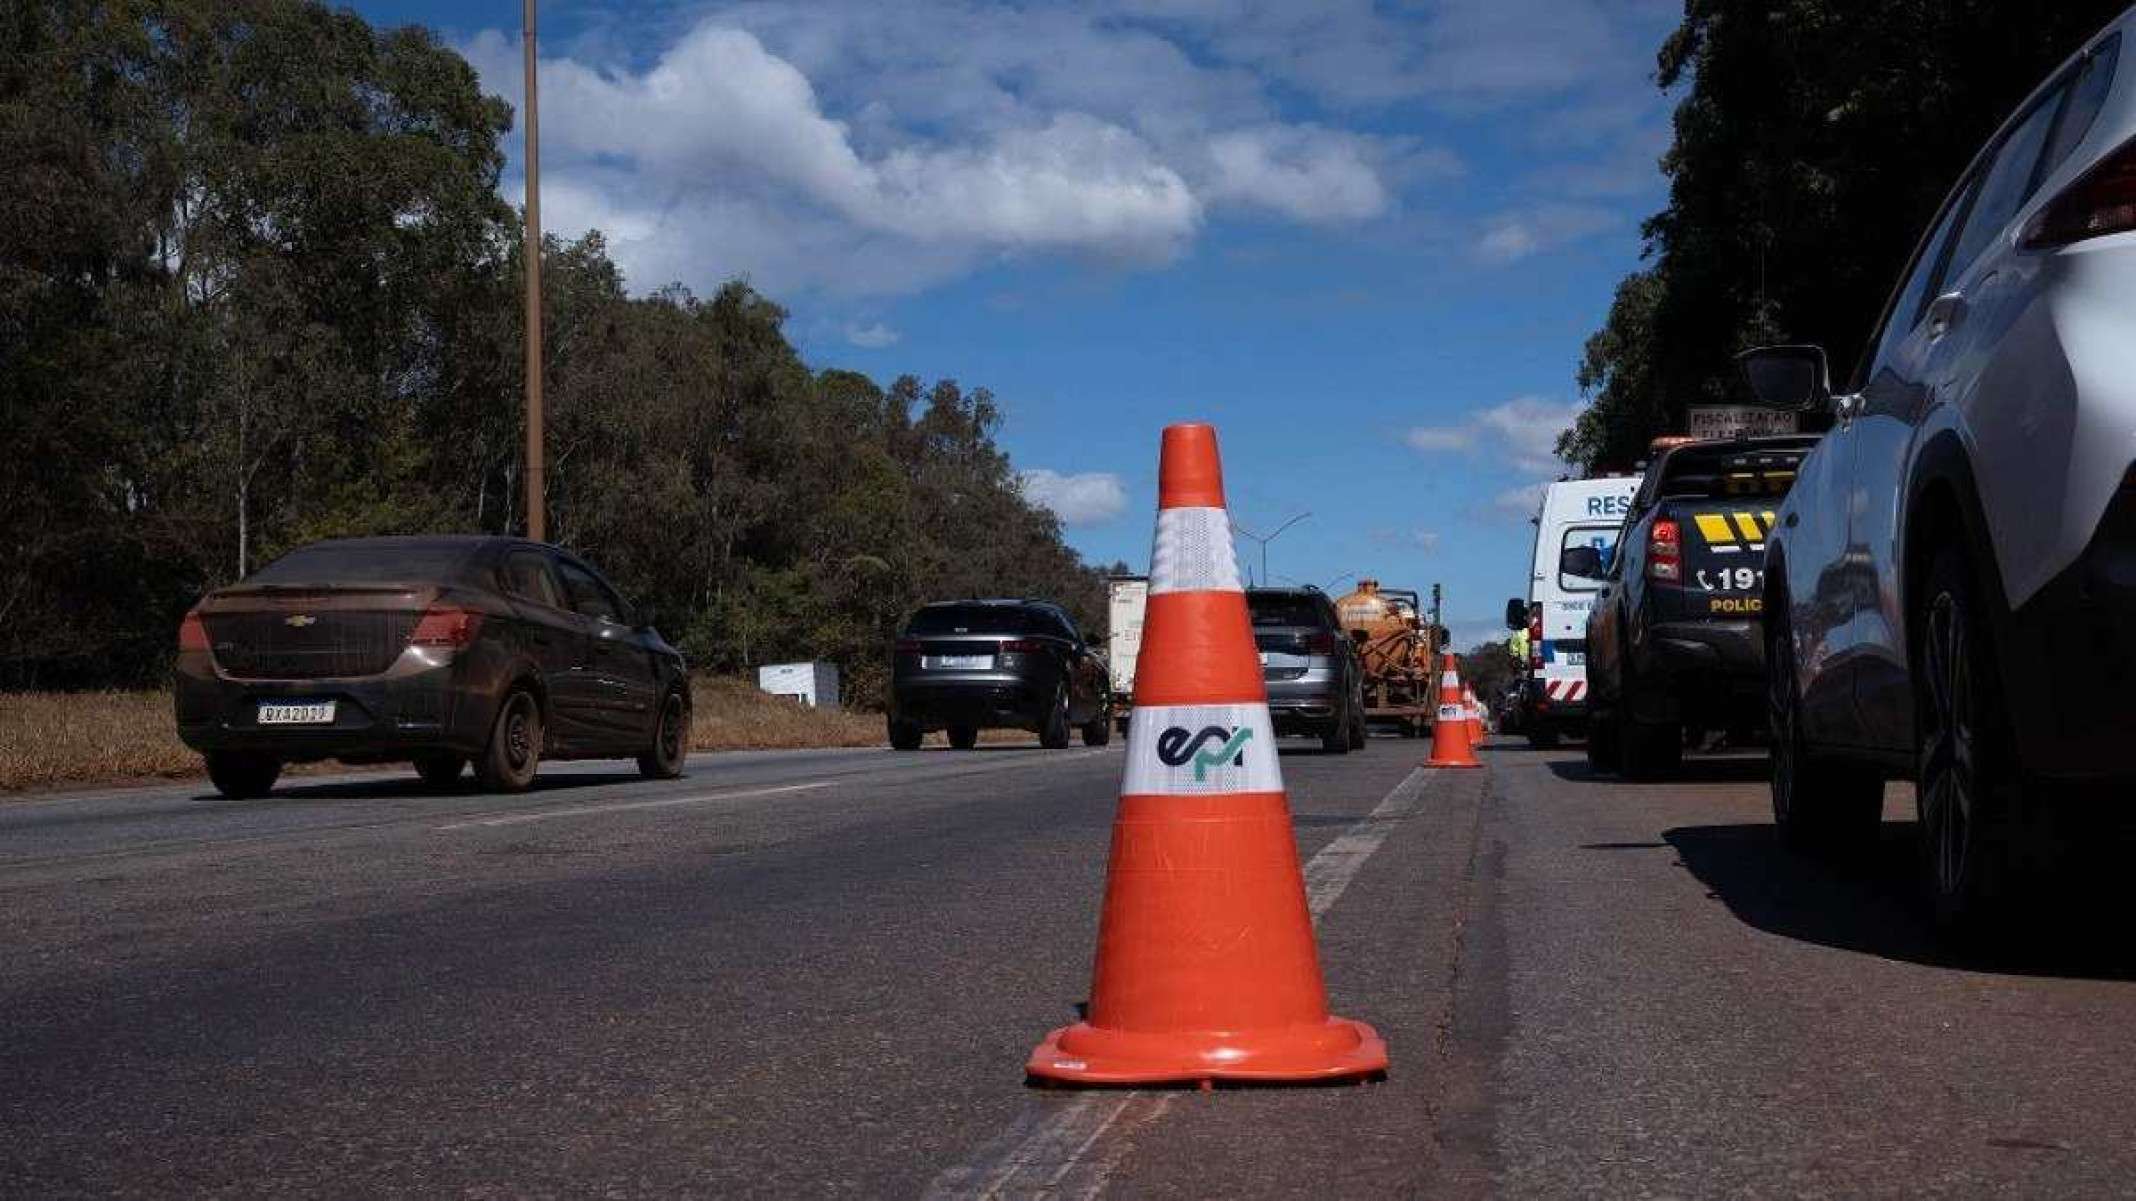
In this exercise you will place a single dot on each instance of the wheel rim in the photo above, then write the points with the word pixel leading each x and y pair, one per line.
pixel 671 730
pixel 519 734
pixel 1948 780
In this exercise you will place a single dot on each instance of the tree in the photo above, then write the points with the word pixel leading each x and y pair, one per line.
pixel 1814 142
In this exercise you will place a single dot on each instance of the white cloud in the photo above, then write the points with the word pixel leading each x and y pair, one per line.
pixel 1303 172
pixel 1409 539
pixel 1510 237
pixel 1519 504
pixel 872 337
pixel 1087 498
pixel 1521 432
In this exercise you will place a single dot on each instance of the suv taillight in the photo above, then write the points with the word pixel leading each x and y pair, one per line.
pixel 1535 638
pixel 2101 202
pixel 446 626
pixel 1320 643
pixel 1022 646
pixel 906 646
pixel 1665 551
pixel 192 633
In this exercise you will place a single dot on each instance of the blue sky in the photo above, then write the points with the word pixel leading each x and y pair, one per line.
pixel 1366 240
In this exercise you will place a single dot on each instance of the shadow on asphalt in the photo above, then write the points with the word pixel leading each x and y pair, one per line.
pixel 387 786
pixel 1750 769
pixel 2077 927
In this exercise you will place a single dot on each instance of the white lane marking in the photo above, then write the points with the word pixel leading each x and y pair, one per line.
pixel 1058 1149
pixel 695 798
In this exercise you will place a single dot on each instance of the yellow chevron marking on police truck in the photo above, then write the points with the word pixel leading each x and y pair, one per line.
pixel 1713 527
pixel 1750 529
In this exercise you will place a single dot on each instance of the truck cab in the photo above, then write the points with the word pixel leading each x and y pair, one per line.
pixel 1674 638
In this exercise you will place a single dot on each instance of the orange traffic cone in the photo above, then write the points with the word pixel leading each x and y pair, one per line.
pixel 1206 967
pixel 1451 745
pixel 1475 716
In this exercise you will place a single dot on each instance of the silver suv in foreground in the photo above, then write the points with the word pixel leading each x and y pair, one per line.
pixel 1951 583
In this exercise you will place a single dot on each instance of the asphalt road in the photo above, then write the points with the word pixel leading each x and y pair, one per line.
pixel 819 973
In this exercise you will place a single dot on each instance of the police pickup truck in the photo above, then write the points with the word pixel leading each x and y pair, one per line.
pixel 1674 640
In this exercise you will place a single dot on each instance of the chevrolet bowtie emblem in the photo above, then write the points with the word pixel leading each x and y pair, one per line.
pixel 300 620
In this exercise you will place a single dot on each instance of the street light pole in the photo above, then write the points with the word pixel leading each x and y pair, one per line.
pixel 536 473
pixel 1264 541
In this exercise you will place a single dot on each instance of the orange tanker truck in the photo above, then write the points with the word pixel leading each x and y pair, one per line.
pixel 1398 649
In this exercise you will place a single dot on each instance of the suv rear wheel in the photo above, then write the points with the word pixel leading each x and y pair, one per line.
pixel 905 735
pixel 1098 731
pixel 1963 765
pixel 964 738
pixel 243 775
pixel 1053 734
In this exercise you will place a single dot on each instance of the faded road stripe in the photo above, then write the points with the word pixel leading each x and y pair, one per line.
pixel 1069 1147
pixel 695 798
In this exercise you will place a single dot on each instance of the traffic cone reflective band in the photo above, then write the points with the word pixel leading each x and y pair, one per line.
pixel 1206 968
pixel 1451 745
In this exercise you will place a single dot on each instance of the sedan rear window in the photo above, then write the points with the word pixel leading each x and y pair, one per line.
pixel 980 619
pixel 365 563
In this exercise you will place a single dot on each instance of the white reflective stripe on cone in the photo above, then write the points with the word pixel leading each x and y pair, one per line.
pixel 1200 750
pixel 1193 552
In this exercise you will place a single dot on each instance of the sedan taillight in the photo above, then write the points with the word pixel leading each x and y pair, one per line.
pixel 1022 646
pixel 192 632
pixel 447 626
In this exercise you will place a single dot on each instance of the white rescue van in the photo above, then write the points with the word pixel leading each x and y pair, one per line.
pixel 1574 513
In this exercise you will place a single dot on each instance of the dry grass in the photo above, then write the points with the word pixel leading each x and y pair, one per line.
pixel 52 738
pixel 731 715
pixel 67 737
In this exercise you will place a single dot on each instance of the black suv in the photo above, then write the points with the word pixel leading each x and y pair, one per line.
pixel 1675 640
pixel 968 665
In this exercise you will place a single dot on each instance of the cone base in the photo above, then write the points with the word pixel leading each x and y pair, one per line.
pixel 1339 1049
pixel 1452 763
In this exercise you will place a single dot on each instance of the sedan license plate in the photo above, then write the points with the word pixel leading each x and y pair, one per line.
pixel 315 713
pixel 959 662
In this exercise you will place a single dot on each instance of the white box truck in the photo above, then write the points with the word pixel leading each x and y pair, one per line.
pixel 1126 597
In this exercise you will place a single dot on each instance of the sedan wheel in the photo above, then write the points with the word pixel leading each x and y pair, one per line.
pixel 440 771
pixel 513 755
pixel 671 741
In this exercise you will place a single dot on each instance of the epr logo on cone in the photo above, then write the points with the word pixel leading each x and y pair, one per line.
pixel 1206 967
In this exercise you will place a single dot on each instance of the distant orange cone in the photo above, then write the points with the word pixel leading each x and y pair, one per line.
pixel 1206 968
pixel 1477 732
pixel 1451 745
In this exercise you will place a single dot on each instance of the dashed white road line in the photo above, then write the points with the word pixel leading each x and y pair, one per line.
pixel 1059 1148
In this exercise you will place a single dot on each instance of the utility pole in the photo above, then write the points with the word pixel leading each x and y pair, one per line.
pixel 536 473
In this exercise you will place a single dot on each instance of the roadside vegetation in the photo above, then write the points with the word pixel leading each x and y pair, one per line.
pixel 258 287
pixel 117 735
pixel 1814 141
